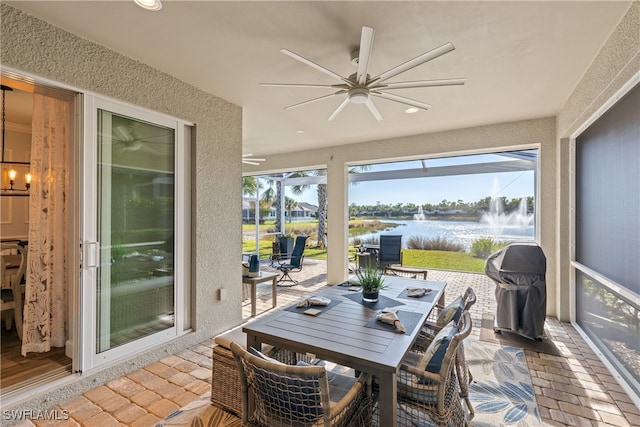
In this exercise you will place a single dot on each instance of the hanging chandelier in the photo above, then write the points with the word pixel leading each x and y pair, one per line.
pixel 10 188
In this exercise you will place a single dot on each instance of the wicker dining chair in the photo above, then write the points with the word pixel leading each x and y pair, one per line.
pixel 286 395
pixel 452 312
pixel 427 381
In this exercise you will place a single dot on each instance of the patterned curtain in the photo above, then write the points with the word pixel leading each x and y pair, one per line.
pixel 45 311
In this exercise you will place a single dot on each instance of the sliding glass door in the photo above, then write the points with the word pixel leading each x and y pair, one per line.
pixel 135 229
pixel 137 291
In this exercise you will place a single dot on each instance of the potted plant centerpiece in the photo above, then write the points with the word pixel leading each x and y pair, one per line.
pixel 371 281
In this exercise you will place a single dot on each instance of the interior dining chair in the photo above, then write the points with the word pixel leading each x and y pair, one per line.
pixel 390 250
pixel 286 395
pixel 428 383
pixel 11 301
pixel 294 263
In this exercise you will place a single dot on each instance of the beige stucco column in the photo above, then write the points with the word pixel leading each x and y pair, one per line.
pixel 337 220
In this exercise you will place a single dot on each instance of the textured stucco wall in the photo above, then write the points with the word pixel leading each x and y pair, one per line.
pixel 44 51
pixel 537 133
pixel 616 63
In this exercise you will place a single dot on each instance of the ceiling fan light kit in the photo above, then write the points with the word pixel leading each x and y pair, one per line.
pixel 152 5
pixel 358 95
pixel 359 87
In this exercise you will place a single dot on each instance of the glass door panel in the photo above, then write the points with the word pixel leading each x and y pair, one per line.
pixel 135 214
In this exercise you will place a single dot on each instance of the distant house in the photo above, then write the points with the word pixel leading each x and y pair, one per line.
pixel 303 211
pixel 248 212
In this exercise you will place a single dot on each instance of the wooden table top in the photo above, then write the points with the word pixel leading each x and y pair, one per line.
pixel 263 277
pixel 341 335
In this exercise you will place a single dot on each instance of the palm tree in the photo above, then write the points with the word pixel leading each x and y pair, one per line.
pixel 273 196
pixel 322 197
pixel 290 204
pixel 249 185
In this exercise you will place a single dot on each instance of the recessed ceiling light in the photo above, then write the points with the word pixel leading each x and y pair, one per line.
pixel 300 131
pixel 411 110
pixel 153 5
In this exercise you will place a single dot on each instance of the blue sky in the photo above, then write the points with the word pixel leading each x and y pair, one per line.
pixel 468 188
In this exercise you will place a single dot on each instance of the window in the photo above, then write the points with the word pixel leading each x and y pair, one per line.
pixel 607 234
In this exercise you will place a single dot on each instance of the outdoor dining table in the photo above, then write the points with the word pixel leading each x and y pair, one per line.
pixel 346 332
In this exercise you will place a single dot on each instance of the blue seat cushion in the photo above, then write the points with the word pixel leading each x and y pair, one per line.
pixel 431 360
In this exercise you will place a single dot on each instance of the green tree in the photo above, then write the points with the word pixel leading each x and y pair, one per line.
pixel 274 196
pixel 249 185
pixel 290 204
pixel 322 197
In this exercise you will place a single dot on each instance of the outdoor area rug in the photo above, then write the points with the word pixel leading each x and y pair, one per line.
pixel 501 392
pixel 510 339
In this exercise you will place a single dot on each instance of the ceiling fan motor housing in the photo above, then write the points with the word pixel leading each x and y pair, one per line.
pixel 358 95
pixel 355 57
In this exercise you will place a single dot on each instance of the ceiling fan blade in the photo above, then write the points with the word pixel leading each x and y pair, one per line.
pixel 401 99
pixel 313 65
pixel 364 55
pixel 304 85
pixel 340 108
pixel 418 60
pixel 373 109
pixel 419 83
pixel 300 104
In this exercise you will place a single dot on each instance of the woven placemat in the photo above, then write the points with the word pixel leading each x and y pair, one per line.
pixel 427 297
pixel 410 319
pixel 322 308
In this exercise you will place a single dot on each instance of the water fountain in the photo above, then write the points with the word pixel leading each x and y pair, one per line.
pixel 420 215
pixel 498 220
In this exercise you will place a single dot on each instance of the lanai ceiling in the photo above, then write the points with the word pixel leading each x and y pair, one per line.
pixel 521 60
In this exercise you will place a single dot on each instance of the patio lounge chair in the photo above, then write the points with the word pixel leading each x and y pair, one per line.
pixel 295 262
pixel 390 250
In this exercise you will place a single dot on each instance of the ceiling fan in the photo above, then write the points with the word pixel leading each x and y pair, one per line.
pixel 360 87
pixel 249 160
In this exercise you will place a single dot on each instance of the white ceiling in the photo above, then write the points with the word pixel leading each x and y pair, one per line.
pixel 521 60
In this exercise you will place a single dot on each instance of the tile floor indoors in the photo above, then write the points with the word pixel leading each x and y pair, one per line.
pixel 573 390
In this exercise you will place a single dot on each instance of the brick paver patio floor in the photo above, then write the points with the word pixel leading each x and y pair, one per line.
pixel 574 389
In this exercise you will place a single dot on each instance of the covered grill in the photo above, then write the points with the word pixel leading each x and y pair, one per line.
pixel 521 292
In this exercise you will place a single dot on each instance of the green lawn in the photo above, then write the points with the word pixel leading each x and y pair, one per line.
pixel 443 260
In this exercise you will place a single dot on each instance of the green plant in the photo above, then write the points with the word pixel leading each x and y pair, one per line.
pixel 434 244
pixel 370 278
pixel 484 247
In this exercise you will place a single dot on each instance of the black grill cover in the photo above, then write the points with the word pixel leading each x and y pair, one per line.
pixel 521 291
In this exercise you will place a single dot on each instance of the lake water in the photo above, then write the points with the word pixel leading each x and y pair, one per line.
pixel 463 232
